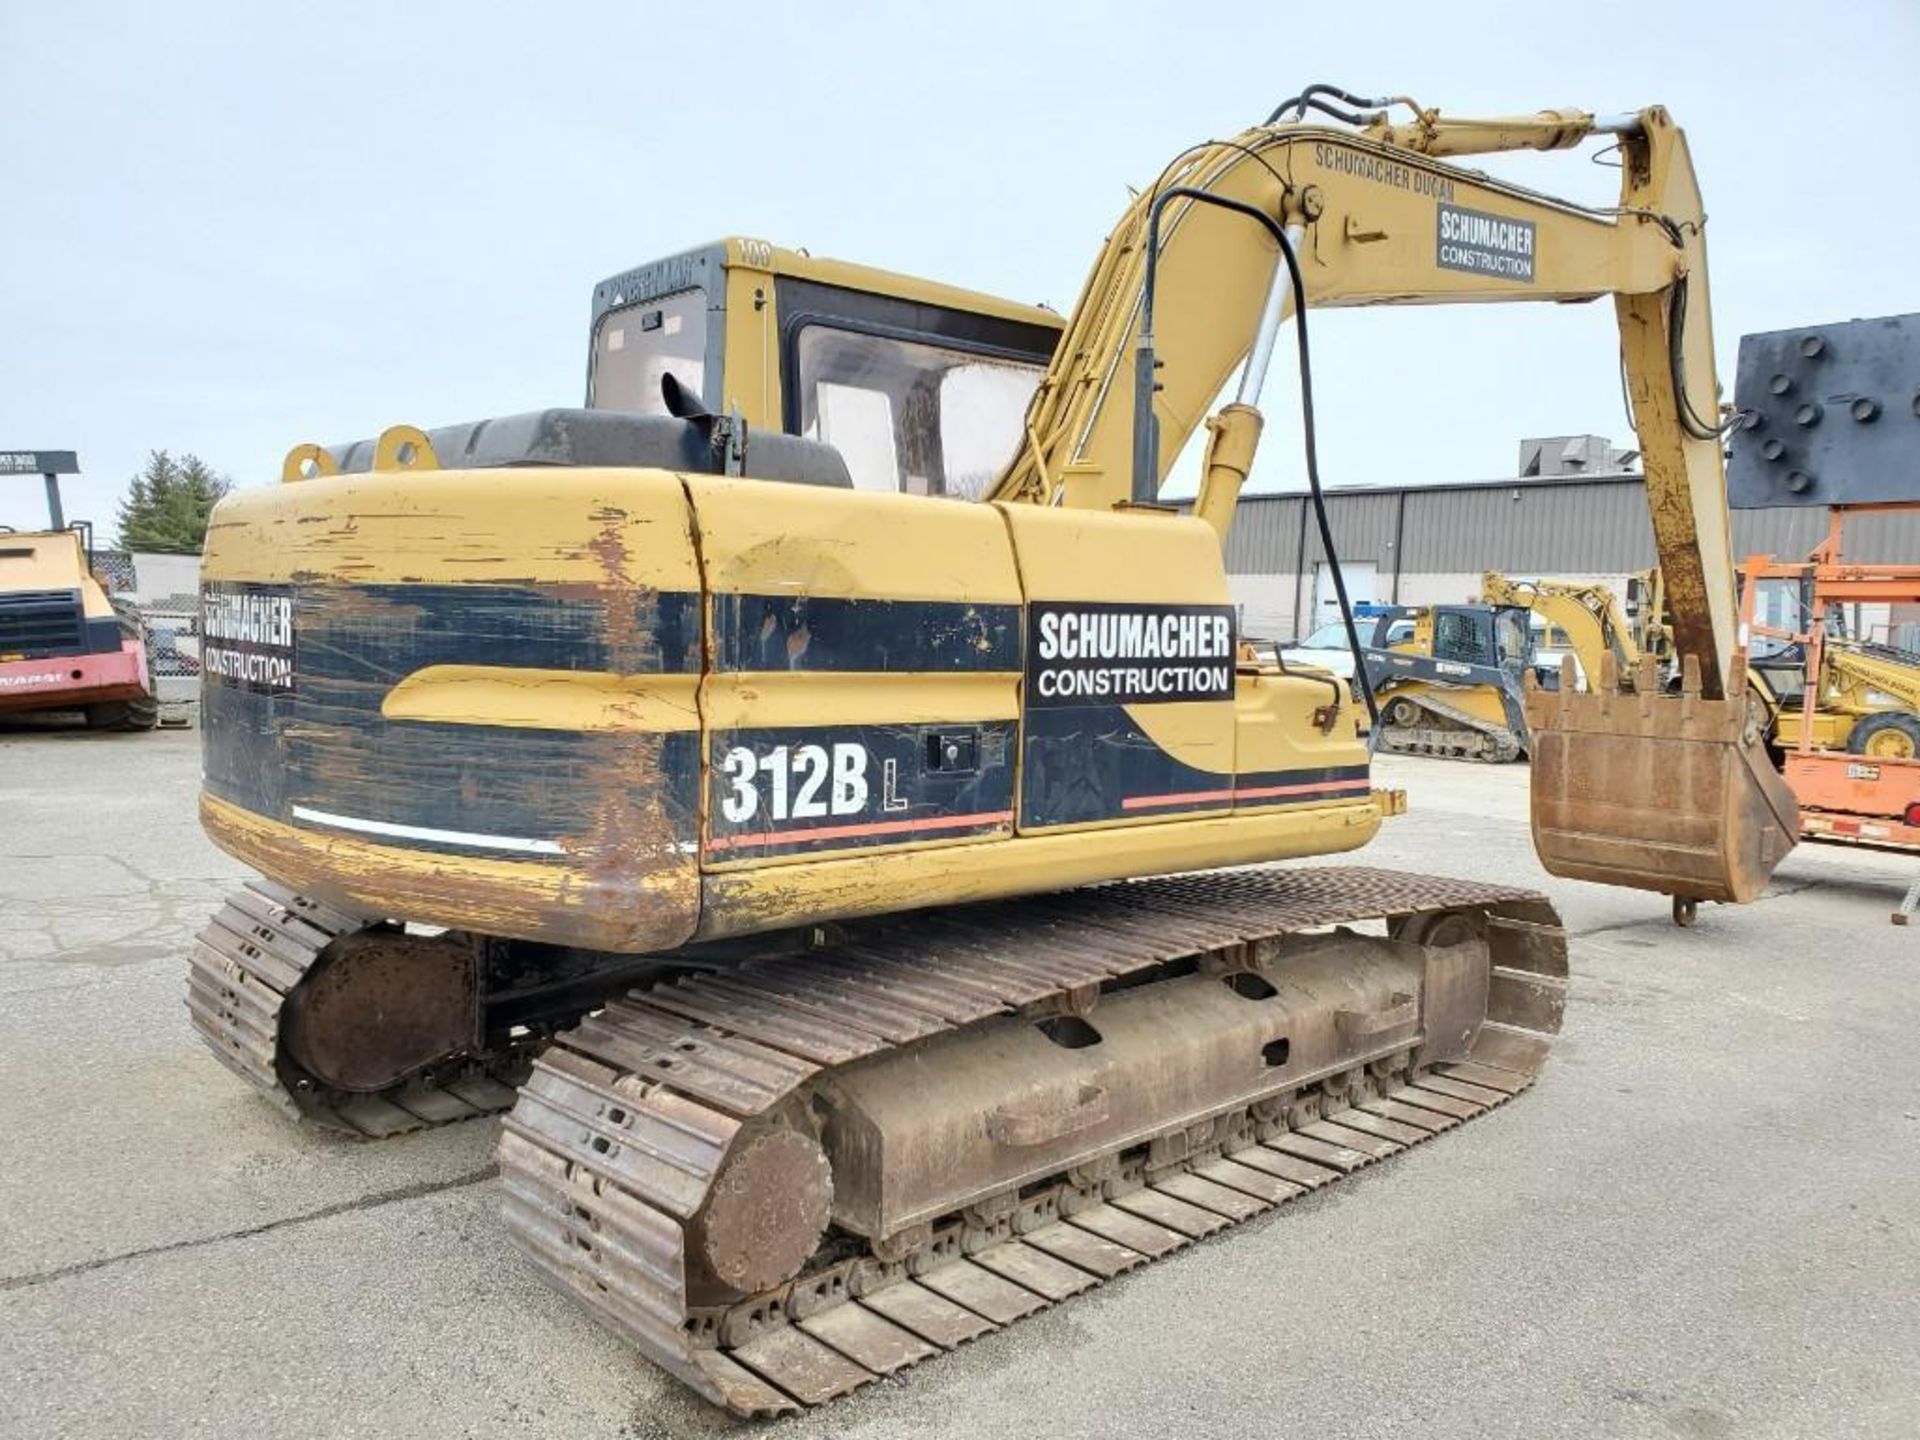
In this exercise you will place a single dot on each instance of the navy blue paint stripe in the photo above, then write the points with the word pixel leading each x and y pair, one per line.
pixel 1085 763
pixel 1250 779
pixel 811 632
pixel 383 633
pixel 325 746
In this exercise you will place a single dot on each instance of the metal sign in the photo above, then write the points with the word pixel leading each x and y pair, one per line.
pixel 39 462
pixel 1829 415
pixel 49 463
pixel 1483 244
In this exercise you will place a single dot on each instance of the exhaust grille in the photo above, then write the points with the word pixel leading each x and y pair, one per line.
pixel 38 623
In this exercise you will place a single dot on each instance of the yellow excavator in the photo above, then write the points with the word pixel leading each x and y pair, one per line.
pixel 748 778
pixel 1587 615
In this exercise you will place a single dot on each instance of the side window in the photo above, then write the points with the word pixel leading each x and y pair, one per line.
pixel 1778 607
pixel 1516 639
pixel 909 416
pixel 635 346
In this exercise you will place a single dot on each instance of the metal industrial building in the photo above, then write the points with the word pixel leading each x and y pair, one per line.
pixel 1427 543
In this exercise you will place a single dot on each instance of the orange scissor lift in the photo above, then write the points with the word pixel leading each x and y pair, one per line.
pixel 1843 796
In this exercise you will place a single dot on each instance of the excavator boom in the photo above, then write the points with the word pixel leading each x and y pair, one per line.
pixel 1624 791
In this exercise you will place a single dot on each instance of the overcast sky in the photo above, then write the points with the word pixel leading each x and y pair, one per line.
pixel 231 228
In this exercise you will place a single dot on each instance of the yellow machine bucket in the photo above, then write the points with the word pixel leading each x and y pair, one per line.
pixel 1674 793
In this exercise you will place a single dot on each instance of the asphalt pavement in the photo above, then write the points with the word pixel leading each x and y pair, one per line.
pixel 1704 1222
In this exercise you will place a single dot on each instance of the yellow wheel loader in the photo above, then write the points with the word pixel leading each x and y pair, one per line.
pixel 749 779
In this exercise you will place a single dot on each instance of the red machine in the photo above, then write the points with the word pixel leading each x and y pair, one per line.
pixel 64 643
pixel 1857 777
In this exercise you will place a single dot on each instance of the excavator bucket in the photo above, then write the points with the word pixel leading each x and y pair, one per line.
pixel 1655 791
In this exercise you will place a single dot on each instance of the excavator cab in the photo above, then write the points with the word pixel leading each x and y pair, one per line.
pixel 921 387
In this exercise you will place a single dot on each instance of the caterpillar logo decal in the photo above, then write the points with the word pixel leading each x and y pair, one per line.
pixel 1100 653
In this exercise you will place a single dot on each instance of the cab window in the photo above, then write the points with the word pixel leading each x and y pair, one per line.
pixel 1459 635
pixel 1515 639
pixel 910 416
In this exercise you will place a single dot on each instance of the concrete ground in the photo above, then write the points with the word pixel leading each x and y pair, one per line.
pixel 1704 1222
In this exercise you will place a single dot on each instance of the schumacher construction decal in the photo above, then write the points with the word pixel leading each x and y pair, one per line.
pixel 1482 244
pixel 1101 653
pixel 246 635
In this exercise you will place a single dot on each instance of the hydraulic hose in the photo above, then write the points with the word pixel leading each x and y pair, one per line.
pixel 1146 444
pixel 1690 420
pixel 1310 97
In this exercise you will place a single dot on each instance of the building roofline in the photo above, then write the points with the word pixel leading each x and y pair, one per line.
pixel 1516 482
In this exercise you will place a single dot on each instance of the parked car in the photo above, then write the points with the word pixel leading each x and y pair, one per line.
pixel 1327 648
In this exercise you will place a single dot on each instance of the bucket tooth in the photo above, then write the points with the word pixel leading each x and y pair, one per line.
pixel 1675 794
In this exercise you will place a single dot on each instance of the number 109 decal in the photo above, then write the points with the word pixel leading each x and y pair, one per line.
pixel 778 791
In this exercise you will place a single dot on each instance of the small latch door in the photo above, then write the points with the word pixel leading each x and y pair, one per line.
pixel 953 752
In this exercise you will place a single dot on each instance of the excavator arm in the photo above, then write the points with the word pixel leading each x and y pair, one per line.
pixel 1587 614
pixel 1374 216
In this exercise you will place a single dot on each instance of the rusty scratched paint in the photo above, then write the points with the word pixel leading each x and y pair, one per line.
pixel 639 851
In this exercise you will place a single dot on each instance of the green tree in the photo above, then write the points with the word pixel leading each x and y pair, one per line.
pixel 168 503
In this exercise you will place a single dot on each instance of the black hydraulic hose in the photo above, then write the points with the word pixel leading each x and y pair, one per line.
pixel 1146 438
pixel 1690 420
pixel 1308 96
pixel 1310 444
pixel 1346 117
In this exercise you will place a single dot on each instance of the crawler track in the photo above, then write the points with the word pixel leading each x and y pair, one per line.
pixel 622 1130
pixel 245 964
pixel 1454 734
